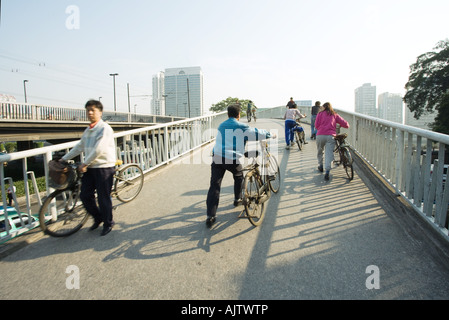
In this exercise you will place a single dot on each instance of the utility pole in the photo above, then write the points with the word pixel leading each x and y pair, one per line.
pixel 25 89
pixel 115 101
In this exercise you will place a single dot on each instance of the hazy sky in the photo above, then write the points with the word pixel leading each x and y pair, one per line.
pixel 262 50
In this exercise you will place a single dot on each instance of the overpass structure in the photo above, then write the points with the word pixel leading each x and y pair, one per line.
pixel 381 236
pixel 28 122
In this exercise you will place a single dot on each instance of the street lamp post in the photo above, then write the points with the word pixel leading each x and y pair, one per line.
pixel 113 75
pixel 25 89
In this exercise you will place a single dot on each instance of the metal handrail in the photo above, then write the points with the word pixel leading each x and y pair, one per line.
pixel 410 159
pixel 150 147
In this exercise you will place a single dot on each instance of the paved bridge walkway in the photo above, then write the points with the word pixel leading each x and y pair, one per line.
pixel 319 240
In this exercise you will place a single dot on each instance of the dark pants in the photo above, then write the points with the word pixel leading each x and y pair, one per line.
pixel 289 134
pixel 217 174
pixel 99 179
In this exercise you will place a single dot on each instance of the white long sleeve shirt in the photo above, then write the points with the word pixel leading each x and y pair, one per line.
pixel 98 145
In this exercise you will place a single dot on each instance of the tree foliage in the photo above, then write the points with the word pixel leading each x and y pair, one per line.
pixel 223 105
pixel 428 86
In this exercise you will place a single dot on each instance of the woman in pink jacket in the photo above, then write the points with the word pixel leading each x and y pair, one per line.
pixel 326 125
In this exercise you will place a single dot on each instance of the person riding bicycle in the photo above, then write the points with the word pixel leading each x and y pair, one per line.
pixel 229 148
pixel 290 122
pixel 98 145
pixel 326 125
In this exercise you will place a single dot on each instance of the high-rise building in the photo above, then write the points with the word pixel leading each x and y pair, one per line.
pixel 390 107
pixel 365 100
pixel 184 92
pixel 158 101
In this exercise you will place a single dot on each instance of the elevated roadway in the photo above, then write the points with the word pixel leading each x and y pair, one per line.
pixel 320 240
pixel 54 130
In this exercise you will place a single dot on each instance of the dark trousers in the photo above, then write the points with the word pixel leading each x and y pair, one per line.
pixel 99 179
pixel 217 174
pixel 289 134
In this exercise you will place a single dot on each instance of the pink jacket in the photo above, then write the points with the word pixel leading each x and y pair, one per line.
pixel 326 124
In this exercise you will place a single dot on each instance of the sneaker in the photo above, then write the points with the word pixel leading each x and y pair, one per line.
pixel 320 168
pixel 326 176
pixel 237 202
pixel 287 147
pixel 210 221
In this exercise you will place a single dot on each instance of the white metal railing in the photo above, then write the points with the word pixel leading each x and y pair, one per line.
pixel 23 111
pixel 150 147
pixel 413 161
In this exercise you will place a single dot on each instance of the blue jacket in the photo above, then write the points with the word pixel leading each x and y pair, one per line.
pixel 232 137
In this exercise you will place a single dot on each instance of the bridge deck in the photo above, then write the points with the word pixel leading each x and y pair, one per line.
pixel 316 242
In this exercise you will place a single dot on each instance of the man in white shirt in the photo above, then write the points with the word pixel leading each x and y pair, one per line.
pixel 98 145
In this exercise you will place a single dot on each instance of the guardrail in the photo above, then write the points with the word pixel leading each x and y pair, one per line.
pixel 413 161
pixel 24 111
pixel 151 147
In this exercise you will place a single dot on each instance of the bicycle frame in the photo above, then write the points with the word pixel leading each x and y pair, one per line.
pixel 262 174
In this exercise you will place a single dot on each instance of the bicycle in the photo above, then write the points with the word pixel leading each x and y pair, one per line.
pixel 342 149
pixel 258 184
pixel 62 214
pixel 254 115
pixel 300 136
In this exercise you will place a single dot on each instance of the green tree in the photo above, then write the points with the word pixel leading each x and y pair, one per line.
pixel 428 86
pixel 223 105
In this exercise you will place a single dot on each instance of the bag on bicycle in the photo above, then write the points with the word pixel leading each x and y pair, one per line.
pixel 59 174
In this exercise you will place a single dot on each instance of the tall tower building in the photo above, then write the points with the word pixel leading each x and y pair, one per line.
pixel 158 101
pixel 365 100
pixel 184 92
pixel 390 107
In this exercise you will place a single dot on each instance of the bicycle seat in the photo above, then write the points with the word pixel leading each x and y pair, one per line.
pixel 251 154
pixel 341 136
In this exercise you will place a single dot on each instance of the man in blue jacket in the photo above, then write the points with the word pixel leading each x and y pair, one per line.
pixel 229 148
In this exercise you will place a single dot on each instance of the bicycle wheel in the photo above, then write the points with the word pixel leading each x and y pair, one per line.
pixel 274 174
pixel 60 216
pixel 346 159
pixel 298 140
pixel 302 135
pixel 128 182
pixel 254 209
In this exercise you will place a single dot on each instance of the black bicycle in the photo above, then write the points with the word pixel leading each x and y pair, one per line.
pixel 300 136
pixel 62 214
pixel 262 179
pixel 343 153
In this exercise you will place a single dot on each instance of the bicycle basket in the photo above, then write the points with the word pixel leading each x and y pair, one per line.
pixel 61 175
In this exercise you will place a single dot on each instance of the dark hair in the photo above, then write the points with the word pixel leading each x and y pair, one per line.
pixel 94 103
pixel 233 110
pixel 328 108
pixel 317 103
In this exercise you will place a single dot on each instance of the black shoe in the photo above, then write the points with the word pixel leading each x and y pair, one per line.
pixel 326 176
pixel 210 221
pixel 237 202
pixel 94 226
pixel 320 168
pixel 107 229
